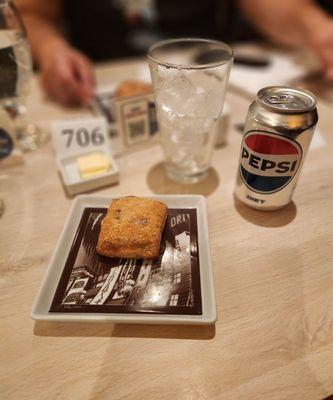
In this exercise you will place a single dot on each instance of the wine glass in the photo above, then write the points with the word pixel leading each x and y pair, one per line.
pixel 15 76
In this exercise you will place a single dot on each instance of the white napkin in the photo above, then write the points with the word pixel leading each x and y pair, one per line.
pixel 281 70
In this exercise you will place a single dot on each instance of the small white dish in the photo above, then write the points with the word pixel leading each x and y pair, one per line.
pixel 75 184
pixel 50 284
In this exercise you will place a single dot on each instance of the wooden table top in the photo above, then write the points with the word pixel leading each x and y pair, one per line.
pixel 273 280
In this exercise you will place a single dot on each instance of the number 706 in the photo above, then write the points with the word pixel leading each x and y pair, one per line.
pixel 83 137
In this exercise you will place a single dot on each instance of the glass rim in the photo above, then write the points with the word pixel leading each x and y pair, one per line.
pixel 190 66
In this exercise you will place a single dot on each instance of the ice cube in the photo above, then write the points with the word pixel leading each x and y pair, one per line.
pixel 173 95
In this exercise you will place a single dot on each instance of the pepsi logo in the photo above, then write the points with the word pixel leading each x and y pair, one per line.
pixel 268 161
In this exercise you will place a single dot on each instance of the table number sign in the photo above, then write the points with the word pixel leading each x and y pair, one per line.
pixel 78 135
pixel 83 154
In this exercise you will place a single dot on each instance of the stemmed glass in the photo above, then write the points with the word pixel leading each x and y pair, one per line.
pixel 15 76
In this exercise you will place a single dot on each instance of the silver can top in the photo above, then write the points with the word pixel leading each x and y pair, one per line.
pixel 286 100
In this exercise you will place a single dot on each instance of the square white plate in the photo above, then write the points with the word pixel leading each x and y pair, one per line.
pixel 49 285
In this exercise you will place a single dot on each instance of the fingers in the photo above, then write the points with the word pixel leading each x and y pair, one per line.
pixel 68 78
pixel 327 58
pixel 322 44
pixel 329 74
pixel 61 87
pixel 84 76
pixel 327 66
pixel 325 53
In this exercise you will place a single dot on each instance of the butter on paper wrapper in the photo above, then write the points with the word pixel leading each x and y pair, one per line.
pixel 93 164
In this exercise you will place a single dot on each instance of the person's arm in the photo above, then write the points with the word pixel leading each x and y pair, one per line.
pixel 42 20
pixel 294 22
pixel 66 74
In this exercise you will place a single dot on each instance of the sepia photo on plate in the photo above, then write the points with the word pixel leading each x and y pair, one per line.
pixel 168 284
pixel 177 287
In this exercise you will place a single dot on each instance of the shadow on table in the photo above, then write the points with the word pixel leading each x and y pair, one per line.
pixel 272 219
pixel 193 332
pixel 160 183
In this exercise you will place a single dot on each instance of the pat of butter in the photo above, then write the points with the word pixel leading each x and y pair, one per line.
pixel 93 164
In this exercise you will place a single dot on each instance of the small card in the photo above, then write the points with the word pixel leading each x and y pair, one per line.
pixel 79 135
pixel 83 154
pixel 132 120
pixel 136 119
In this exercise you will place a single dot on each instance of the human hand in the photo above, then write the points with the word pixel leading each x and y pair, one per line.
pixel 66 74
pixel 322 44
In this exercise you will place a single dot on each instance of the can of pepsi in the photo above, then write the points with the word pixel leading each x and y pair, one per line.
pixel 279 127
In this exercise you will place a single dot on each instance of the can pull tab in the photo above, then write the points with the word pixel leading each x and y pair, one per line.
pixel 280 99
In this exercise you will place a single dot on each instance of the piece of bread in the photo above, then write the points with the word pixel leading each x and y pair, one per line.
pixel 132 228
pixel 132 87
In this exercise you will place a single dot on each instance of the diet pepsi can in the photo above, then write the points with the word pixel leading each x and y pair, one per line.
pixel 279 127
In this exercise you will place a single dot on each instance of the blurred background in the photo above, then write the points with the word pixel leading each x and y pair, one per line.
pixel 67 36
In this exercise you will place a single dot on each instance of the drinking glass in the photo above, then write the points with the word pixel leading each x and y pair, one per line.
pixel 189 78
pixel 15 76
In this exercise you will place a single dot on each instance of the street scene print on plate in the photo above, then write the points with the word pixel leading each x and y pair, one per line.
pixel 168 285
